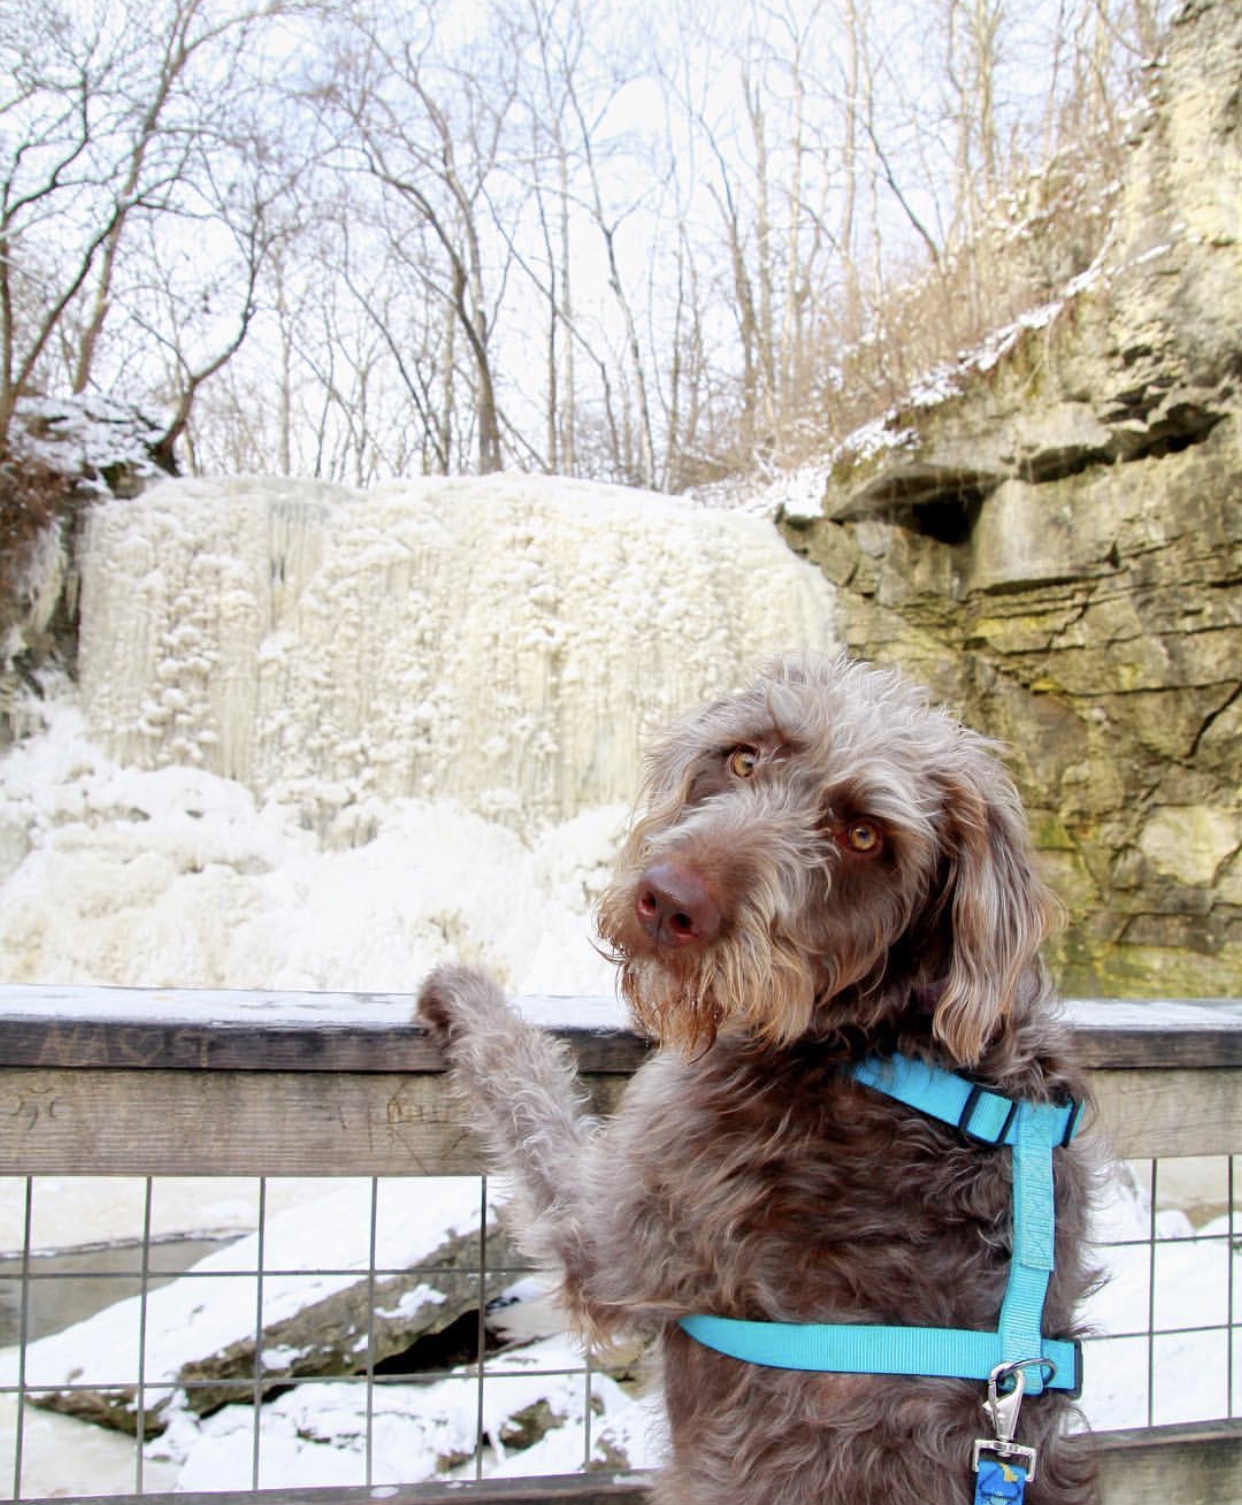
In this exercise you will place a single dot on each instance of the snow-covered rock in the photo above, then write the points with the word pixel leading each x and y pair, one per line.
pixel 303 1285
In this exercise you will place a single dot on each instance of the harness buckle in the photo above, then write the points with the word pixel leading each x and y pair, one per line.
pixel 965 1120
pixel 1002 1407
pixel 1073 1121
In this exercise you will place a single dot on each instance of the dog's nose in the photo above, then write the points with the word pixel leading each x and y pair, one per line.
pixel 674 906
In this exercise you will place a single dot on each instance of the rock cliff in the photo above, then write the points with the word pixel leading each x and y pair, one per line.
pixel 1053 541
pixel 65 455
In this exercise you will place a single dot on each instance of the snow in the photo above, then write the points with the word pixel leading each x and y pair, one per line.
pixel 316 1434
pixel 84 436
pixel 177 877
pixel 325 739
pixel 88 1211
pixel 796 492
pixel 328 1237
pixel 1183 1283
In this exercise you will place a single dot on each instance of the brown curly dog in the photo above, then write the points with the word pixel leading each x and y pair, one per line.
pixel 827 870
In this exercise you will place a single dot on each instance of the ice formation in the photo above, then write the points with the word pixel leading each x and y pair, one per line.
pixel 177 877
pixel 503 642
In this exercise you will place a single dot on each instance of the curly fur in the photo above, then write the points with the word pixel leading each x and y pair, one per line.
pixel 856 879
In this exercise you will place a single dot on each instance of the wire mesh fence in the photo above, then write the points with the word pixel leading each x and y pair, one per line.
pixel 374 1331
pixel 310 1349
pixel 244 1246
pixel 1168 1348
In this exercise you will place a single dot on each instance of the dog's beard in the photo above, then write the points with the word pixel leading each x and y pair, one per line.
pixel 677 1011
pixel 741 985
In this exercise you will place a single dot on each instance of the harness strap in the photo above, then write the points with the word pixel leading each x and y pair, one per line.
pixel 1033 1130
pixel 983 1115
pixel 1031 1263
pixel 864 1348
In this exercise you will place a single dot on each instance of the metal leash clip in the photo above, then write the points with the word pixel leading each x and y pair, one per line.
pixel 1002 1407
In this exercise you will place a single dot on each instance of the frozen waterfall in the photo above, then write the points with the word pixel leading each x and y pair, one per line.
pixel 503 642
pixel 324 739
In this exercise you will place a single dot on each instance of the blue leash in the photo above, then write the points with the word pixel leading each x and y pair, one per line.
pixel 1017 1353
pixel 998 1483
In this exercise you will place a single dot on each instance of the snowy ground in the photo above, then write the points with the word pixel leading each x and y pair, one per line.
pixel 316 1433
pixel 175 877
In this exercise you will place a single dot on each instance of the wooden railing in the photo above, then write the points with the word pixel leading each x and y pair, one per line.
pixel 126 1082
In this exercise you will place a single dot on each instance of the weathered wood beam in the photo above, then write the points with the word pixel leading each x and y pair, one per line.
pixel 144 1084
pixel 1199 1464
pixel 111 1122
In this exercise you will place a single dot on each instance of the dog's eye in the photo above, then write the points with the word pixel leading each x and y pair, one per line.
pixel 863 836
pixel 743 761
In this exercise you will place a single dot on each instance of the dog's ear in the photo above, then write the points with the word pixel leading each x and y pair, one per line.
pixel 998 911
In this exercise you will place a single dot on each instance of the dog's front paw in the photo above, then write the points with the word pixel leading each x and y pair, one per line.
pixel 452 998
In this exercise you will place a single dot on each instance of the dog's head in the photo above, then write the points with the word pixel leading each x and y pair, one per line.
pixel 822 851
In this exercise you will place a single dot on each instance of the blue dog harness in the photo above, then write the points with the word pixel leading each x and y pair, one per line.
pixel 1017 1355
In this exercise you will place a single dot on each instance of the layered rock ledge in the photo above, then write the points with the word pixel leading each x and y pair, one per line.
pixel 1052 538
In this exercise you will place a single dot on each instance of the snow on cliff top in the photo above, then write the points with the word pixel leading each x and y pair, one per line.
pixel 86 437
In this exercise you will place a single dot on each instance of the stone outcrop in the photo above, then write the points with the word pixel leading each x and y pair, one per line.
pixel 324 1311
pixel 1054 543
pixel 64 455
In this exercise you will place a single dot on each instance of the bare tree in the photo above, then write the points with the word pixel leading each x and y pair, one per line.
pixel 429 132
pixel 151 153
pixel 55 119
pixel 190 368
pixel 111 117
pixel 497 260
pixel 555 34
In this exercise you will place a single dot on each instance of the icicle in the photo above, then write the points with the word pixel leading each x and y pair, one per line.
pixel 503 642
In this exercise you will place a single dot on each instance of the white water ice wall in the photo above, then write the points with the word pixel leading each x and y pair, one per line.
pixel 504 642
